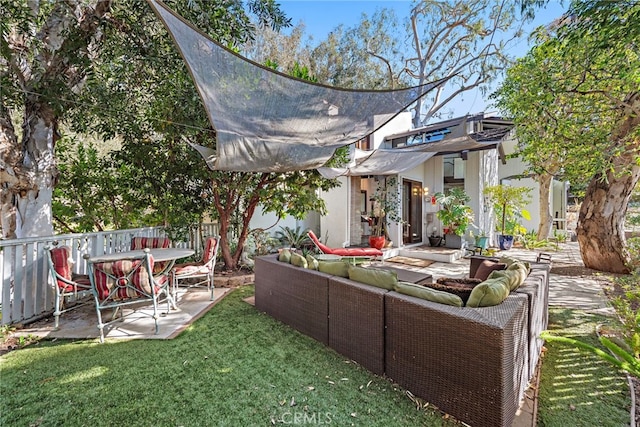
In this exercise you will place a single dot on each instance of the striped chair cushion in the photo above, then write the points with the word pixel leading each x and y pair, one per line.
pixel 209 249
pixel 150 242
pixel 62 265
pixel 124 279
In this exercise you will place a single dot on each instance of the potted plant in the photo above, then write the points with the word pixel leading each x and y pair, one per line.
pixel 455 215
pixel 385 207
pixel 508 204
pixel 433 239
pixel 291 238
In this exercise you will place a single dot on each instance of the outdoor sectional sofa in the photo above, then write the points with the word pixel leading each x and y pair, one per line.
pixel 473 363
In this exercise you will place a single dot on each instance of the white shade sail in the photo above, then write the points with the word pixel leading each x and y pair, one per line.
pixel 266 121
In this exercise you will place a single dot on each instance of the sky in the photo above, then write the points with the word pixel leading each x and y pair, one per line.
pixel 322 16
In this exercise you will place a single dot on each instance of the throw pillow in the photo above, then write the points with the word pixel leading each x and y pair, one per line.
pixel 521 269
pixel 284 256
pixel 428 294
pixel 335 268
pixel 384 279
pixel 298 260
pixel 489 293
pixel 486 267
pixel 513 277
pixel 312 263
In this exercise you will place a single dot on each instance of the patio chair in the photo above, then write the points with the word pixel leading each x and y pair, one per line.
pixel 201 270
pixel 345 252
pixel 152 243
pixel 124 282
pixel 68 285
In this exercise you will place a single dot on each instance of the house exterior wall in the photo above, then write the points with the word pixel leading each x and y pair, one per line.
pixel 335 225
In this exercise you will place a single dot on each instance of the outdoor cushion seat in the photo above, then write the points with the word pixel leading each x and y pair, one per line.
pixel 347 252
pixel 124 282
pixel 67 284
pixel 201 270
pixel 152 243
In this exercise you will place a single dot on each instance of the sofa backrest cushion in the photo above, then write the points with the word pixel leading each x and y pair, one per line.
pixel 489 293
pixel 486 267
pixel 312 263
pixel 515 274
pixel 284 256
pixel 334 268
pixel 298 260
pixel 384 279
pixel 428 294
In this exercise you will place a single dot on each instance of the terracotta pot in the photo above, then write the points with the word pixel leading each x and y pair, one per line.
pixel 376 242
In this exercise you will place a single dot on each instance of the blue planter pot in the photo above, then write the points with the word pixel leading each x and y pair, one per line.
pixel 482 242
pixel 505 241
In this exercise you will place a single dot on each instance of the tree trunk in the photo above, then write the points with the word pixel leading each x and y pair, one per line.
pixel 601 222
pixel 546 220
pixel 29 174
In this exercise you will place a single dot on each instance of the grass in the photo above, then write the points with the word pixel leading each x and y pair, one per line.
pixel 233 367
pixel 576 387
pixel 236 366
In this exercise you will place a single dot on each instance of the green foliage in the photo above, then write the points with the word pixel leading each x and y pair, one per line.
pixel 508 203
pixel 454 214
pixel 621 358
pixel 530 240
pixel 386 204
pixel 292 238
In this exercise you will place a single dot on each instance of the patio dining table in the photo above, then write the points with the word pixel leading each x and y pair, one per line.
pixel 170 255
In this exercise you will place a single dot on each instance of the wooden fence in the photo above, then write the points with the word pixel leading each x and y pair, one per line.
pixel 26 290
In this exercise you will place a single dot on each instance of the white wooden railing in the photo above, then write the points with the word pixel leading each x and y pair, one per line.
pixel 26 290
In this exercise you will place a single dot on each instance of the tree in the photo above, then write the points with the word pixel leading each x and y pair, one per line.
pixel 594 59
pixel 453 40
pixel 543 130
pixel 50 53
pixel 45 48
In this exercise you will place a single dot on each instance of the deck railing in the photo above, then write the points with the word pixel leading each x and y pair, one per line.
pixel 26 290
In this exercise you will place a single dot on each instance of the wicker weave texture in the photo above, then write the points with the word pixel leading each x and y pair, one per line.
pixel 469 362
pixel 293 295
pixel 356 322
pixel 536 287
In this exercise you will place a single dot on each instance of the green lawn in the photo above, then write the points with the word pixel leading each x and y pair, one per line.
pixel 233 367
pixel 577 388
pixel 238 367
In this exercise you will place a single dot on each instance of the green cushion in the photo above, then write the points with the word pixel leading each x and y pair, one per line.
pixel 522 270
pixel 298 260
pixel 488 293
pixel 384 279
pixel 312 263
pixel 429 294
pixel 284 256
pixel 335 268
pixel 513 277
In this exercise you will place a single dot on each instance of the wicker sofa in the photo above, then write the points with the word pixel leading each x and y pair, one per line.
pixel 473 363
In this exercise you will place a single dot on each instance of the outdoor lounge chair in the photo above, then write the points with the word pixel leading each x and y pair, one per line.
pixel 201 270
pixel 345 252
pixel 120 282
pixel 68 285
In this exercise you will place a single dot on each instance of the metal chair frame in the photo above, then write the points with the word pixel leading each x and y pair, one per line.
pixel 129 288
pixel 203 270
pixel 80 287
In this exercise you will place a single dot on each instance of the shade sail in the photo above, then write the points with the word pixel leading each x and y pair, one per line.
pixel 266 121
pixel 380 162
